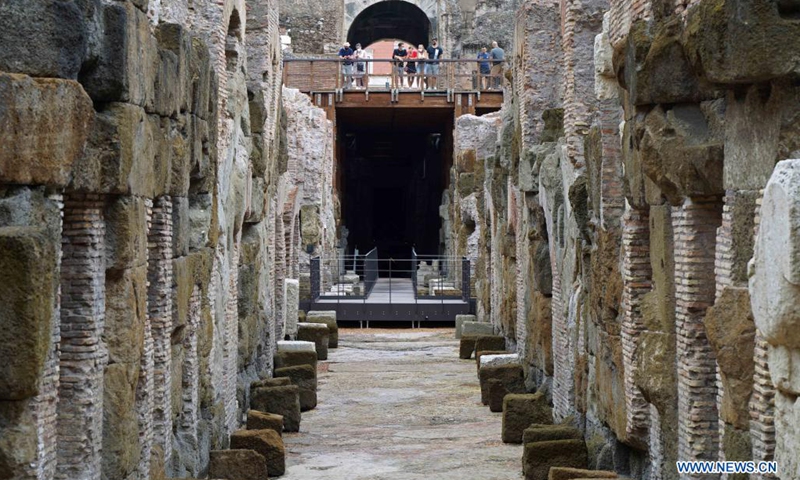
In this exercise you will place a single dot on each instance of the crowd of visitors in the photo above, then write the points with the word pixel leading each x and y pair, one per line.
pixel 419 66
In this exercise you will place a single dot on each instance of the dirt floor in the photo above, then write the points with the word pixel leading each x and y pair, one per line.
pixel 399 404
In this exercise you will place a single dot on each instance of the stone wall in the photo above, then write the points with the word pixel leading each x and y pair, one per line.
pixel 620 188
pixel 144 184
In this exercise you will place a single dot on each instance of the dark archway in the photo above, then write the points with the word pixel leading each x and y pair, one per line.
pixel 390 19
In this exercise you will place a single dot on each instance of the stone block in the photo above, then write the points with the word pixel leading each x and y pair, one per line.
pixel 460 319
pixel 121 452
pixel 28 293
pixel 205 80
pixel 126 59
pixel 328 318
pixel 495 360
pixel 126 233
pixel 271 382
pixel 44 124
pixel 305 377
pixel 46 38
pixel 267 443
pixel 538 458
pixel 283 400
pixel 126 310
pixel 466 346
pixel 490 343
pixel 546 433
pixel 567 473
pixel 497 392
pixel 511 377
pixel 520 411
pixel 173 83
pixel 291 304
pixel 296 346
pixel 120 156
pixel 477 328
pixel 481 354
pixel 293 358
pixel 264 421
pixel 311 227
pixel 775 278
pixel 237 464
pixel 317 333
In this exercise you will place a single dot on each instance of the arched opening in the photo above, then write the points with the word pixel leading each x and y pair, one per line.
pixel 390 19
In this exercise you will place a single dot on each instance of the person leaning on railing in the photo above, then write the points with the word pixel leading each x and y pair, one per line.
pixel 399 56
pixel 347 66
pixel 485 68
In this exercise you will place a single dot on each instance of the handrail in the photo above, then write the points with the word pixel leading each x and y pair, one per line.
pixel 334 75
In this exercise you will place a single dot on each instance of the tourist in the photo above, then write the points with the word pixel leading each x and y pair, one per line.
pixel 399 56
pixel 361 67
pixel 411 66
pixel 422 54
pixel 485 69
pixel 347 66
pixel 498 55
pixel 435 52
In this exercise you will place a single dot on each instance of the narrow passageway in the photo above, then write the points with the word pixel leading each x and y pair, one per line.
pixel 399 404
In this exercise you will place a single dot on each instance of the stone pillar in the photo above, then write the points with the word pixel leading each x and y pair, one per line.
pixel 186 430
pixel 291 299
pixel 145 387
pixel 636 277
pixel 231 342
pixel 83 355
pixel 775 295
pixel 694 225
pixel 159 312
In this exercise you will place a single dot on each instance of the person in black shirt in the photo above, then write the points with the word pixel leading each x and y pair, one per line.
pixel 435 52
pixel 346 53
pixel 399 55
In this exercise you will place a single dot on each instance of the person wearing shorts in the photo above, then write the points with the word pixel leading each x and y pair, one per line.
pixel 346 53
pixel 432 66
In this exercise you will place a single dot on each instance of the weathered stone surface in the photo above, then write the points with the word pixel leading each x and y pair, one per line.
pixel 538 458
pixel 125 61
pixel 477 328
pixel 28 262
pixel 291 299
pixel 264 421
pixel 731 332
pixel 305 377
pixel 482 353
pixel 460 319
pixel 44 124
pixel 126 232
pixel 566 473
pixel 317 333
pixel 271 382
pixel 493 343
pixel 237 465
pixel 737 41
pixel 520 411
pixel 126 307
pixel 293 358
pixel 775 279
pixel 681 150
pixel 283 400
pixel 466 346
pixel 120 156
pixel 120 420
pixel 296 346
pixel 328 318
pixel 496 360
pixel 546 433
pixel 511 376
pixel 43 38
pixel 267 443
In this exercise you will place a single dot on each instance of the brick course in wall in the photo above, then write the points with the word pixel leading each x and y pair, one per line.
pixel 83 355
pixel 694 226
pixel 636 277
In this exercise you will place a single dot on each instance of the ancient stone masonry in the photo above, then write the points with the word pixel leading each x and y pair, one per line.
pixel 142 174
pixel 635 141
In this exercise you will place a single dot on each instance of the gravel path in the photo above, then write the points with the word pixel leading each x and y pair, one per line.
pixel 399 404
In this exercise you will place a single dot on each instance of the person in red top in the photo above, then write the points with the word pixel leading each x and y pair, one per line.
pixel 411 66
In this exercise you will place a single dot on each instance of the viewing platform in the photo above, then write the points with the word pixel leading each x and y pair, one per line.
pixel 458 87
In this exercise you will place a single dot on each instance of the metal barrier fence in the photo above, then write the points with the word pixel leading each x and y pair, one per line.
pixel 354 277
pixel 386 75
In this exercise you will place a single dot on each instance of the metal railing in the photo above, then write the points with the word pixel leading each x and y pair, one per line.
pixel 386 75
